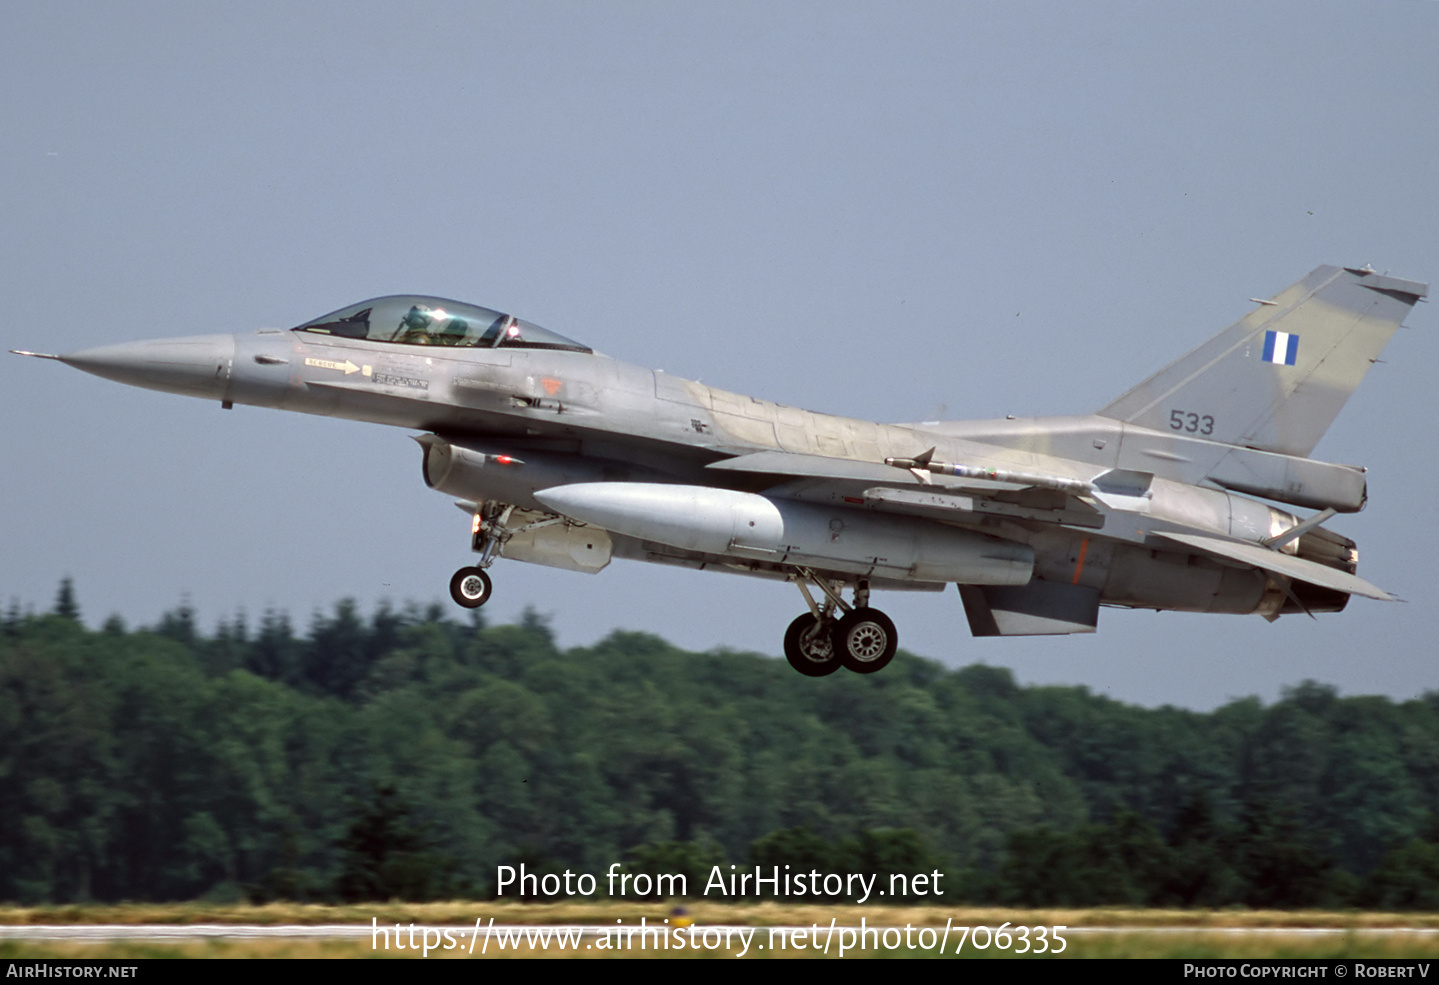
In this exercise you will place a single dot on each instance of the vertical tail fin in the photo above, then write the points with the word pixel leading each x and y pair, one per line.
pixel 1276 379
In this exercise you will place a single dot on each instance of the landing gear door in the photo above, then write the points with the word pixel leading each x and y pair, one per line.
pixel 571 546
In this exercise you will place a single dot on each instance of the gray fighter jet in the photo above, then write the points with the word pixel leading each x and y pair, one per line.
pixel 565 457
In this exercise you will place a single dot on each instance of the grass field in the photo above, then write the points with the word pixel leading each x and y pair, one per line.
pixel 1094 933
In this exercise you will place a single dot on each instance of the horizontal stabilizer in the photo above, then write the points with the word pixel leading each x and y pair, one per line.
pixel 1286 565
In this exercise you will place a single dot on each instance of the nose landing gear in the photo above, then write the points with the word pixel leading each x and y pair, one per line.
pixel 863 640
pixel 471 586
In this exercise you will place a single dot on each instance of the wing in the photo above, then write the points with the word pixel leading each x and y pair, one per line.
pixel 883 488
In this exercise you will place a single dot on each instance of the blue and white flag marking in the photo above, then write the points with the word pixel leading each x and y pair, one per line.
pixel 1281 348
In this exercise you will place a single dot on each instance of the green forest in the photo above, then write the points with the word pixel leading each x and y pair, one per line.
pixel 408 753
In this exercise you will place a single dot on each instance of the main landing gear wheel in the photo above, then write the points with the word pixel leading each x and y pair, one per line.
pixel 470 587
pixel 864 640
pixel 809 646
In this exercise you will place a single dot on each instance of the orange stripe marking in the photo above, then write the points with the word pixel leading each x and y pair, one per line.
pixel 1079 565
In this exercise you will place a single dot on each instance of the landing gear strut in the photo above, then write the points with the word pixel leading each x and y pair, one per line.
pixel 471 586
pixel 863 640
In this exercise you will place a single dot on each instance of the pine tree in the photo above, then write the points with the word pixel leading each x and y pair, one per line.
pixel 65 604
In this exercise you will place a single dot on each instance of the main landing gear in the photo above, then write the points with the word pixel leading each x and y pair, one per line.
pixel 471 586
pixel 863 640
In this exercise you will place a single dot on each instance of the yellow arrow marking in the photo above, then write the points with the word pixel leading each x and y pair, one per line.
pixel 345 367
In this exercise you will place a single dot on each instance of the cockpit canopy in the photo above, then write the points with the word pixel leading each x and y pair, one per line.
pixel 411 319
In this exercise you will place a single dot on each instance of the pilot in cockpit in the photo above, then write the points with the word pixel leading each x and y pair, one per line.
pixel 415 326
pixel 424 325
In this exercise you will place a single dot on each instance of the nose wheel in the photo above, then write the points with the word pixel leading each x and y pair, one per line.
pixel 471 587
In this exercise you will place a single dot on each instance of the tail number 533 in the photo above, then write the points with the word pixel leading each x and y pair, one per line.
pixel 1183 420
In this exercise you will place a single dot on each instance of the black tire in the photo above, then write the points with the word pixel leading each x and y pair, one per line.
pixel 471 587
pixel 809 649
pixel 866 641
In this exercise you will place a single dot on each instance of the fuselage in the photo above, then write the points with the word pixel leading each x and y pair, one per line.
pixel 568 458
pixel 579 416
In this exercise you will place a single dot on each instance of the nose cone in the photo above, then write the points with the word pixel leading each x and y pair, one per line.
pixel 197 366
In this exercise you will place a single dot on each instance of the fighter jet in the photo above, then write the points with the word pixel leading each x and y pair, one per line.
pixel 1165 498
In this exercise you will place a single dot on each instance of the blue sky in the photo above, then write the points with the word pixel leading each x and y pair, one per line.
pixel 871 209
